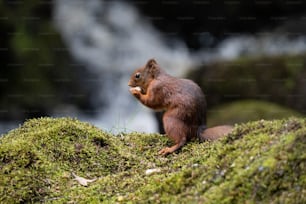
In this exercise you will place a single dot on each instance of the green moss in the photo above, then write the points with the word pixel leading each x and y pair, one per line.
pixel 277 79
pixel 36 68
pixel 248 110
pixel 260 162
pixel 40 155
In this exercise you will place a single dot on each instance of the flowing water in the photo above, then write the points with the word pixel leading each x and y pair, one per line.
pixel 112 39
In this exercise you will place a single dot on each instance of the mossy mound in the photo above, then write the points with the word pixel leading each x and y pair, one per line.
pixel 37 158
pixel 262 161
pixel 248 110
pixel 37 71
pixel 279 79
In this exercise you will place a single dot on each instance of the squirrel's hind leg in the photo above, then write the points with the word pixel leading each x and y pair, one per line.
pixel 175 129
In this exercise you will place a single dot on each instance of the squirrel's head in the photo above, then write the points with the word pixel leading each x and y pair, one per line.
pixel 143 76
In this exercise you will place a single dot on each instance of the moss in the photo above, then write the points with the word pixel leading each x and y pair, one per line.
pixel 37 72
pixel 260 162
pixel 279 79
pixel 40 155
pixel 248 110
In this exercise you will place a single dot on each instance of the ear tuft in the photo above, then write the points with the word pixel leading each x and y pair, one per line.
pixel 152 68
pixel 151 63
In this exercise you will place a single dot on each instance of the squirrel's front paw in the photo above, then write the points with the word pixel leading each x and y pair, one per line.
pixel 135 90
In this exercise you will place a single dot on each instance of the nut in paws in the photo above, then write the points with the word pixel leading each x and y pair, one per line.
pixel 135 89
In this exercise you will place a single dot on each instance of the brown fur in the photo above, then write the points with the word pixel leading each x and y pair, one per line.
pixel 182 100
pixel 216 132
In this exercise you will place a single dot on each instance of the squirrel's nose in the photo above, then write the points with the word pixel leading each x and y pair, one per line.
pixel 130 83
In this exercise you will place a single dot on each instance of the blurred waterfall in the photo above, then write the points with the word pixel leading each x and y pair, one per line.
pixel 112 39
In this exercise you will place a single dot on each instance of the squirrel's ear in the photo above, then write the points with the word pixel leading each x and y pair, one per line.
pixel 152 67
pixel 151 63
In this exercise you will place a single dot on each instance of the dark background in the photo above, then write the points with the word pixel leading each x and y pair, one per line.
pixel 38 72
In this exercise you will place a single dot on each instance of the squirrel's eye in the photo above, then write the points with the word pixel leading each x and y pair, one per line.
pixel 137 75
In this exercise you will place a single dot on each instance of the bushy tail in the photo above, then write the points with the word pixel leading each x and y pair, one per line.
pixel 213 133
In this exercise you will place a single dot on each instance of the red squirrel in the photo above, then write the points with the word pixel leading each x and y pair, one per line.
pixel 182 101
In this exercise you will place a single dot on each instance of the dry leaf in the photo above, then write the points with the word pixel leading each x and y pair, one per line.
pixel 152 171
pixel 81 180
